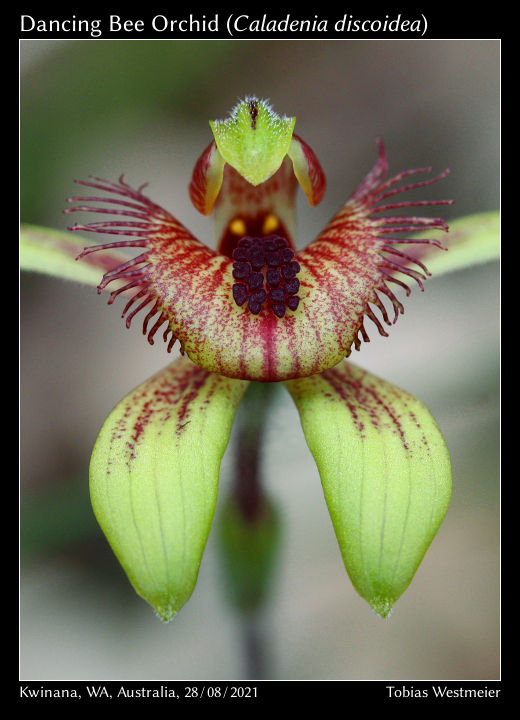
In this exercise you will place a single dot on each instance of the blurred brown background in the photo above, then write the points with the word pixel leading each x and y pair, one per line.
pixel 142 108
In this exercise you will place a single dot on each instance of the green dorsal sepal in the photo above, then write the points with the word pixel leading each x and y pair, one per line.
pixel 253 139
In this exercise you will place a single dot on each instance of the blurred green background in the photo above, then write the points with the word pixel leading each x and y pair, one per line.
pixel 142 108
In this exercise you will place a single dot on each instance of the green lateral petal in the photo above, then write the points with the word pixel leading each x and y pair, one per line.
pixel 386 475
pixel 154 478
pixel 54 253
pixel 472 240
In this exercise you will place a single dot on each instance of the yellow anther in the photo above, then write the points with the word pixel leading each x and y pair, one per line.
pixel 270 224
pixel 238 227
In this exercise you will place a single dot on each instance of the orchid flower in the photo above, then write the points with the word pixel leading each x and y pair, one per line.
pixel 258 309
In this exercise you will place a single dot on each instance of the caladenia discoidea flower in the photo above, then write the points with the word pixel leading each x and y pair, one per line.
pixel 258 309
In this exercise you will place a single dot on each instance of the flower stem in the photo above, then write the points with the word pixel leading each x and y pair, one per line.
pixel 247 489
pixel 249 529
pixel 256 660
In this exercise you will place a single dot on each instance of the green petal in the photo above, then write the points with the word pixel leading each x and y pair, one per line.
pixel 472 240
pixel 154 478
pixel 385 471
pixel 54 253
pixel 253 139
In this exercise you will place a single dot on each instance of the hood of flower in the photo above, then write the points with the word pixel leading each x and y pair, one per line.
pixel 253 139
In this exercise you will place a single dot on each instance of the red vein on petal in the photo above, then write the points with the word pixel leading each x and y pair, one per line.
pixel 357 247
pixel 155 223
